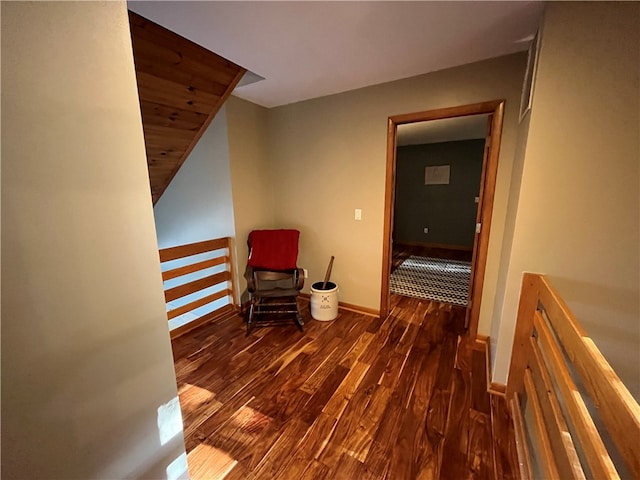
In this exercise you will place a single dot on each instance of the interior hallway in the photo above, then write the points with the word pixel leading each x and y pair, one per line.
pixel 358 397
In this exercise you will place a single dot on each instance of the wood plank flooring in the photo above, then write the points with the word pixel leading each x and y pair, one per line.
pixel 355 398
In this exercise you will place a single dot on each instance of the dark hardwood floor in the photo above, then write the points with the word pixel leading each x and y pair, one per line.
pixel 355 398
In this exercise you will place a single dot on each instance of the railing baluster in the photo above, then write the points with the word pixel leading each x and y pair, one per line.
pixel 551 344
pixel 226 279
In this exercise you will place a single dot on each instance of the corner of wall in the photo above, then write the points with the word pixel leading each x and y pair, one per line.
pixel 251 174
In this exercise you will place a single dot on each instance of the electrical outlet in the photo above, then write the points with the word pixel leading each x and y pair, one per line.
pixel 425 229
pixel 358 214
pixel 306 273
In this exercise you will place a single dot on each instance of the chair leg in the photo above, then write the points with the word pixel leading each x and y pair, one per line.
pixel 255 304
pixel 250 318
pixel 298 319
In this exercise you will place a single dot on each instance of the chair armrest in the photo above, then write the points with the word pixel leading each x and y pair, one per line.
pixel 249 277
pixel 299 279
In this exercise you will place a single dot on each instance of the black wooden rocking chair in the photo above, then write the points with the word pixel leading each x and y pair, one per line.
pixel 273 278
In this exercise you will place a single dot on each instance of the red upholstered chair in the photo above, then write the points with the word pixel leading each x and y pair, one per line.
pixel 273 277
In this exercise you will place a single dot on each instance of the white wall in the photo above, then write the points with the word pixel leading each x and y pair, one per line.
pixel 88 386
pixel 197 204
pixel 578 216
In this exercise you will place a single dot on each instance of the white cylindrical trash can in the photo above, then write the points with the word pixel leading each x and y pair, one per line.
pixel 324 301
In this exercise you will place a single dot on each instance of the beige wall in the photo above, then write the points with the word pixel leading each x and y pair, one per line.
pixel 88 386
pixel 509 226
pixel 329 157
pixel 251 174
pixel 578 213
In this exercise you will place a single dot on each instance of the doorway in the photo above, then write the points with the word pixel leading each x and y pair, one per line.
pixel 493 112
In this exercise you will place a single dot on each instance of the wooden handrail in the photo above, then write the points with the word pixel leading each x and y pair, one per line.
pixel 181 251
pixel 221 248
pixel 549 345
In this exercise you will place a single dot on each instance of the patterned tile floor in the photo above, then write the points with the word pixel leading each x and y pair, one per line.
pixel 433 279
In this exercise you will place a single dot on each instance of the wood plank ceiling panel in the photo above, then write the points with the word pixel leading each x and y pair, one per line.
pixel 181 87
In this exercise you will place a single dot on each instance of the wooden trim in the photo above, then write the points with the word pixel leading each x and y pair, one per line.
pixel 487 356
pixel 495 107
pixel 194 267
pixel 443 246
pixel 196 285
pixel 487 196
pixel 617 407
pixel 209 317
pixel 522 446
pixel 181 251
pixel 176 312
pixel 547 460
pixel 524 328
pixel 389 198
pixel 499 389
pixel 476 237
pixel 568 462
pixel 596 454
pixel 371 312
pixel 450 112
pixel 483 342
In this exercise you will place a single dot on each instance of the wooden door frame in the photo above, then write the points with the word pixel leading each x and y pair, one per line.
pixel 487 192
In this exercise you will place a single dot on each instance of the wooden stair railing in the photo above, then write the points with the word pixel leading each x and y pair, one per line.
pixel 556 434
pixel 218 252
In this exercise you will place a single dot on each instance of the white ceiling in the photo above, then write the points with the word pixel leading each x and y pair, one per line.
pixel 312 49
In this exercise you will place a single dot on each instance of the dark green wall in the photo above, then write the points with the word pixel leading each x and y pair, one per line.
pixel 449 211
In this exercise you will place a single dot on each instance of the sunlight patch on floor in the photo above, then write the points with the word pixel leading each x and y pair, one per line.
pixel 249 420
pixel 209 463
pixel 192 396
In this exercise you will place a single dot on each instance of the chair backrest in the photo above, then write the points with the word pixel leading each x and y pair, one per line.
pixel 271 276
pixel 275 250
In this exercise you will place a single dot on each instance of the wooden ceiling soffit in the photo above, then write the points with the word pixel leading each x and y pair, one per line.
pixel 181 87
